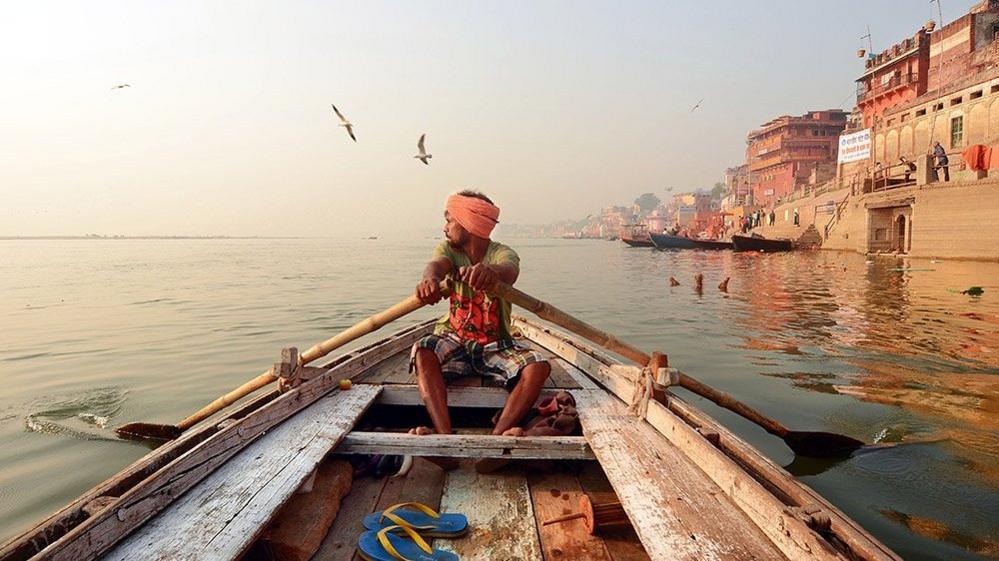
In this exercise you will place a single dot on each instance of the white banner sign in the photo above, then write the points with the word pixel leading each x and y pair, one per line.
pixel 855 147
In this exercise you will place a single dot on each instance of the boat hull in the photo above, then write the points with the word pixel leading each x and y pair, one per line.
pixel 713 244
pixel 666 241
pixel 748 243
pixel 637 242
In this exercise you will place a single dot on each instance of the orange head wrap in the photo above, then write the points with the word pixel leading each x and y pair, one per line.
pixel 474 214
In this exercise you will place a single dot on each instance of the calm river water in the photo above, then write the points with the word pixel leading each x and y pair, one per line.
pixel 100 332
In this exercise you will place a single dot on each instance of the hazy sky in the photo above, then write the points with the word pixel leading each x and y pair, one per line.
pixel 554 109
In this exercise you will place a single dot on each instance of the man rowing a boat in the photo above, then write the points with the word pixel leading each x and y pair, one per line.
pixel 474 337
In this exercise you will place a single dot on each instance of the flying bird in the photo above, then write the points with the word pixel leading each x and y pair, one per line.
pixel 696 105
pixel 120 86
pixel 345 123
pixel 423 156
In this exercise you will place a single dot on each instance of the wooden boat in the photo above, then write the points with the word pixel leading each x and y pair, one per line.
pixel 713 244
pixel 636 235
pixel 667 241
pixel 758 243
pixel 691 489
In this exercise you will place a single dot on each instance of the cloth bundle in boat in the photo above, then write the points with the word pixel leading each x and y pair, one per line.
pixel 554 416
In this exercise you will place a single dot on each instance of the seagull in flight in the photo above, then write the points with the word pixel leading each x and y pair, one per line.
pixel 423 156
pixel 345 123
pixel 696 105
pixel 120 86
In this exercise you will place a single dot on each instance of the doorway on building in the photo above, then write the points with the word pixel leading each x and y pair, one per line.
pixel 900 234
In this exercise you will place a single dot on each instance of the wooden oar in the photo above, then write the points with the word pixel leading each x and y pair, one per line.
pixel 151 431
pixel 804 443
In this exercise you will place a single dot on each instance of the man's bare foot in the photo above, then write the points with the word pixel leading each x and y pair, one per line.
pixel 515 431
pixel 444 463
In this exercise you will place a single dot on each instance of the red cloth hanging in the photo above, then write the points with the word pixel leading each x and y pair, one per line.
pixel 978 157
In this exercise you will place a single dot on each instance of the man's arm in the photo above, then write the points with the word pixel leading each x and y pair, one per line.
pixel 429 289
pixel 483 277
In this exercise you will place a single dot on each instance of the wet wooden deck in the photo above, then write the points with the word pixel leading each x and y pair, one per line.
pixel 505 512
pixel 505 509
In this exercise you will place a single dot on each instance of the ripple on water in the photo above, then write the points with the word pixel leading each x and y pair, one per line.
pixel 82 415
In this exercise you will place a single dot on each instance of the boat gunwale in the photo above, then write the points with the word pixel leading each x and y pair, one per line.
pixel 69 521
pixel 850 538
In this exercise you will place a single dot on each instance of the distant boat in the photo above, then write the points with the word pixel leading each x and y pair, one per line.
pixel 713 244
pixel 666 241
pixel 758 243
pixel 636 235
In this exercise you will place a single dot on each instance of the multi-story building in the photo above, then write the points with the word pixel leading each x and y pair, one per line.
pixel 961 105
pixel 897 75
pixel 737 184
pixel 782 154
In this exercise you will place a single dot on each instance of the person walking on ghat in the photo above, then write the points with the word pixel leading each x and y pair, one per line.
pixel 795 216
pixel 942 161
pixel 772 217
pixel 474 338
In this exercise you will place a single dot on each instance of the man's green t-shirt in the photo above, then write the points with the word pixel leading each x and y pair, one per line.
pixel 476 316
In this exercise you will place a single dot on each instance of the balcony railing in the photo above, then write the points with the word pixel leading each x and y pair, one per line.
pixel 880 88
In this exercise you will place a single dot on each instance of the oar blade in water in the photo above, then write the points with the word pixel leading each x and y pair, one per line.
pixel 148 431
pixel 819 444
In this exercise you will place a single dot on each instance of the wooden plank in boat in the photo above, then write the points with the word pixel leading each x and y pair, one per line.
pixel 221 516
pixel 676 510
pixel 152 482
pixel 772 516
pixel 554 495
pixel 95 535
pixel 622 543
pixel 560 377
pixel 491 398
pixel 500 516
pixel 764 491
pixel 467 446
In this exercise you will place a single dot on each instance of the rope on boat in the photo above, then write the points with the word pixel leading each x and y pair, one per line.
pixel 641 393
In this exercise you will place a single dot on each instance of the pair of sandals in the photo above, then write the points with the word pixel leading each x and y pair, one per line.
pixel 397 533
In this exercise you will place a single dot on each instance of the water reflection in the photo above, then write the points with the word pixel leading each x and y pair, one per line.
pixel 820 341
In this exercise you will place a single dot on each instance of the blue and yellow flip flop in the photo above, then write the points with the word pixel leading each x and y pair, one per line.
pixel 384 545
pixel 421 518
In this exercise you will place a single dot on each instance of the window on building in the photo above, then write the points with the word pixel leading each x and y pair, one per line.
pixel 975 95
pixel 921 112
pixel 904 118
pixel 938 107
pixel 956 101
pixel 956 131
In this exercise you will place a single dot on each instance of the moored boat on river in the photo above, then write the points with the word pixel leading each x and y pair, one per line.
pixel 713 244
pixel 691 489
pixel 636 235
pixel 669 241
pixel 759 243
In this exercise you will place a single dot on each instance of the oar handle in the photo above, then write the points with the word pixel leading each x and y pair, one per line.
pixel 227 400
pixel 550 313
pixel 320 350
pixel 728 402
